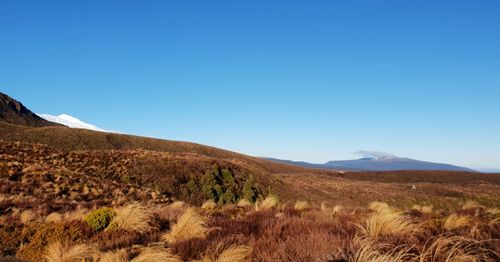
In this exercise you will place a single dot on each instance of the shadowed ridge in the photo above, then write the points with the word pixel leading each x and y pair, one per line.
pixel 14 112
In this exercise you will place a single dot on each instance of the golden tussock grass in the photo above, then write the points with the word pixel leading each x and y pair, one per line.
pixel 378 206
pixel 114 256
pixel 236 254
pixel 209 205
pixel 493 211
pixel 337 209
pixel 189 225
pixel 427 209
pixel 78 214
pixel 243 203
pixel 242 253
pixel 453 249
pixel 372 253
pixel 387 223
pixel 495 221
pixel 27 216
pixel 133 217
pixel 424 209
pixel 53 217
pixel 268 203
pixel 57 252
pixel 301 205
pixel 156 254
pixel 469 204
pixel 324 207
pixel 177 205
pixel 455 221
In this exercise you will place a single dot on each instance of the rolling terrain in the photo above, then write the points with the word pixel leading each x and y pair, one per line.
pixel 119 197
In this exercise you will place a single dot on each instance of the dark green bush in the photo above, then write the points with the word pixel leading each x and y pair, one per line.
pixel 210 186
pixel 99 219
pixel 228 197
pixel 250 190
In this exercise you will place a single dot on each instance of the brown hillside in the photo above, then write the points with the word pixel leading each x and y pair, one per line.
pixel 12 111
pixel 71 139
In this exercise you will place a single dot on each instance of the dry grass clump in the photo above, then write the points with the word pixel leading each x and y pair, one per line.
pixel 209 205
pixel 378 206
pixel 454 249
pixel 236 254
pixel 177 205
pixel 156 254
pixel 243 203
pixel 301 205
pixel 57 252
pixel 337 209
pixel 387 223
pixel 493 211
pixel 133 217
pixel 189 225
pixel 427 209
pixel 268 203
pixel 367 251
pixel 424 209
pixel 78 214
pixel 27 216
pixel 469 204
pixel 114 256
pixel 53 217
pixel 240 253
pixel 455 221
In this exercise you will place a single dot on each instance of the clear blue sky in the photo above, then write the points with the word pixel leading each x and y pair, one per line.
pixel 302 80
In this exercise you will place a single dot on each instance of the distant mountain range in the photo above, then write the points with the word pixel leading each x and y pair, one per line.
pixel 381 163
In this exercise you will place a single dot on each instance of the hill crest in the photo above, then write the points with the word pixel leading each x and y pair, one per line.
pixel 14 112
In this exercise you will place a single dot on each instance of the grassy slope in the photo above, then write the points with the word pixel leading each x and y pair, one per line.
pixel 290 182
pixel 70 139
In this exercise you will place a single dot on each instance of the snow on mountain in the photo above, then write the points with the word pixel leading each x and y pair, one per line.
pixel 70 121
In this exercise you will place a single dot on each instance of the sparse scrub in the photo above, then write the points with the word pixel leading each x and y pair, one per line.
pixel 74 183
pixel 189 225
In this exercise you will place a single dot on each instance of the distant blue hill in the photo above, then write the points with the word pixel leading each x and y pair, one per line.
pixel 378 164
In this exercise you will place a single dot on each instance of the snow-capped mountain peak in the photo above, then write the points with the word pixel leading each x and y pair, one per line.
pixel 70 121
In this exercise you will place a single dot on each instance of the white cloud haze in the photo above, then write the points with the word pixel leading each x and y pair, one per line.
pixel 375 154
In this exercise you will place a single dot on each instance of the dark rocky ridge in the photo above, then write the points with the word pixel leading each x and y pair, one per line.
pixel 14 112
